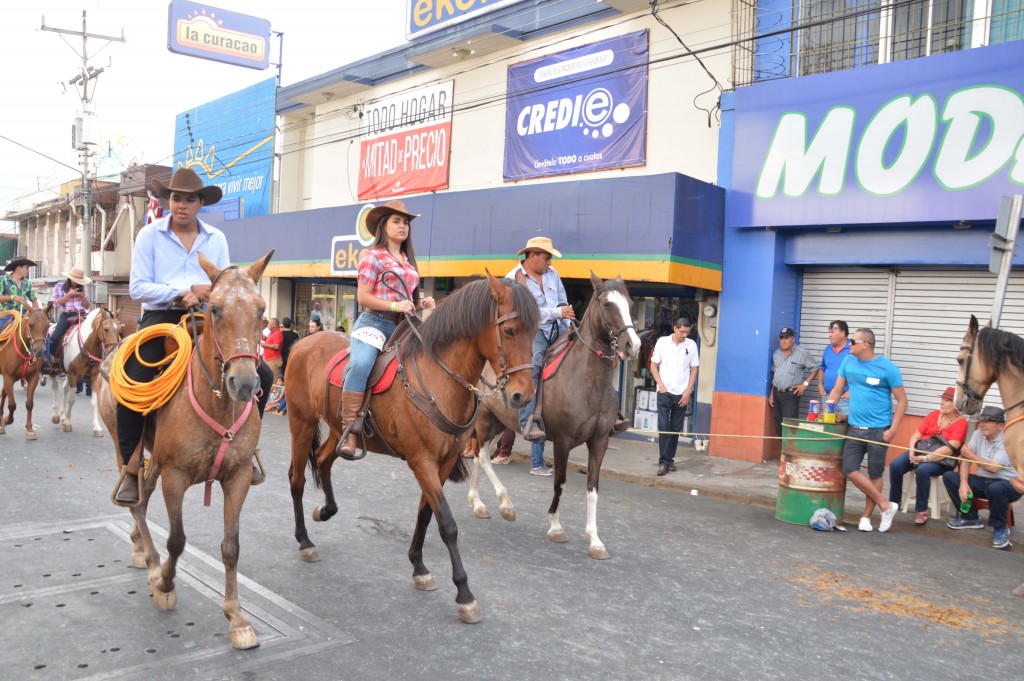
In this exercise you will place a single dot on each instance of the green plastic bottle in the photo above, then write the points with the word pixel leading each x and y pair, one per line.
pixel 965 506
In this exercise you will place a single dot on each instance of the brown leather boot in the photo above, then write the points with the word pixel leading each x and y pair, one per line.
pixel 257 470
pixel 350 403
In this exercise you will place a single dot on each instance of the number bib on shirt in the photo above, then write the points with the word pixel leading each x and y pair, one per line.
pixel 370 336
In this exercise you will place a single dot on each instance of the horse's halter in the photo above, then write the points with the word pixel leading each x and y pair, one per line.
pixel 504 373
pixel 613 334
pixel 966 389
pixel 211 328
pixel 32 352
pixel 103 345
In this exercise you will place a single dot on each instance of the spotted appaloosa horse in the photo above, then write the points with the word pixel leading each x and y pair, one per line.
pixel 85 344
pixel 484 321
pixel 580 405
pixel 21 358
pixel 990 356
pixel 218 390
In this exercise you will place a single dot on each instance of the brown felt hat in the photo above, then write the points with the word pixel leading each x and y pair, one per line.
pixel 18 262
pixel 373 217
pixel 185 181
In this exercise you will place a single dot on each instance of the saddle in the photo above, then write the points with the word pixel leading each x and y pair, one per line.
pixel 557 352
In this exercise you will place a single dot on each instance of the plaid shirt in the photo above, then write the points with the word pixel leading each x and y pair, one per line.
pixel 74 304
pixel 378 260
pixel 9 288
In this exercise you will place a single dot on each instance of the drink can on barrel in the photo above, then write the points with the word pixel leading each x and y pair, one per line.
pixel 829 415
pixel 813 409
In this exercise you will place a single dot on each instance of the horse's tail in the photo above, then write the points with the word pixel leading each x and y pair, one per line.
pixel 314 447
pixel 460 473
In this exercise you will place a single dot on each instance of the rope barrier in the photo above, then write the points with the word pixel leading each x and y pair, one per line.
pixel 800 439
pixel 148 396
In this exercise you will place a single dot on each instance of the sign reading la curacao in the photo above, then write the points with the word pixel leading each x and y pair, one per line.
pixel 209 33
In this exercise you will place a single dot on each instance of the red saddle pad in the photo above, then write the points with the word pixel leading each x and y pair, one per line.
pixel 336 372
pixel 551 367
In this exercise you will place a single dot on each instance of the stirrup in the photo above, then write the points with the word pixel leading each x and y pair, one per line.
pixel 117 488
pixel 259 473
pixel 534 429
pixel 357 454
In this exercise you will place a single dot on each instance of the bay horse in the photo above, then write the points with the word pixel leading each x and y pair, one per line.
pixel 990 356
pixel 85 345
pixel 211 414
pixel 485 321
pixel 580 405
pixel 21 358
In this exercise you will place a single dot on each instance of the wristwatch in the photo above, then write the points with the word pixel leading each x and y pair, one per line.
pixel 806 384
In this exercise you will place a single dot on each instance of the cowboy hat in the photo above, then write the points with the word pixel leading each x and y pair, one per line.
pixel 948 394
pixel 18 262
pixel 185 181
pixel 372 219
pixel 77 275
pixel 539 243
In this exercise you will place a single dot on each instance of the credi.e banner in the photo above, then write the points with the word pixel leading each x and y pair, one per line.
pixel 405 143
pixel 579 110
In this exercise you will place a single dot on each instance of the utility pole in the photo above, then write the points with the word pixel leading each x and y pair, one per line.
pixel 85 81
pixel 1002 240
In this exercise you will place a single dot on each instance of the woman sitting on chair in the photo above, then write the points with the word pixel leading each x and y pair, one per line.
pixel 946 423
pixel 387 288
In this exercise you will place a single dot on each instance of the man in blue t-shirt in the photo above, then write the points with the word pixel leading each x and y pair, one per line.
pixel 832 357
pixel 873 381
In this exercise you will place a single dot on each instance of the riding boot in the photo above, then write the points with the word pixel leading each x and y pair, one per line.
pixel 534 428
pixel 621 424
pixel 257 474
pixel 351 402
pixel 128 492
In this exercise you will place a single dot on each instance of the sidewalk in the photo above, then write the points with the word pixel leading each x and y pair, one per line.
pixel 633 457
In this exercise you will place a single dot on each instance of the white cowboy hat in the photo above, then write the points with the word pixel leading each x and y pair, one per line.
pixel 539 243
pixel 77 275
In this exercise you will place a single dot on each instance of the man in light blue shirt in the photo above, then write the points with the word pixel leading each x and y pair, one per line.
pixel 535 272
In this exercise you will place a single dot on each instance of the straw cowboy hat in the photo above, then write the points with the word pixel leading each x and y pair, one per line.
pixel 185 181
pixel 539 243
pixel 372 219
pixel 18 262
pixel 77 275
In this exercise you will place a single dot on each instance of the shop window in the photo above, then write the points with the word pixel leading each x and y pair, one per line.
pixel 1007 21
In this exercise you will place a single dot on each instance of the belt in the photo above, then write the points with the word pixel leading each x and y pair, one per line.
pixel 396 317
pixel 165 309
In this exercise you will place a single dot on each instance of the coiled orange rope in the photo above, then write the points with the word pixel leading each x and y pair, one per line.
pixel 147 396
pixel 8 333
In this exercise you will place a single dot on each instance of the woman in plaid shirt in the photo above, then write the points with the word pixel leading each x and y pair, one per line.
pixel 387 288
pixel 71 298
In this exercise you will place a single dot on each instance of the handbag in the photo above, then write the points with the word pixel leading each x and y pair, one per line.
pixel 930 444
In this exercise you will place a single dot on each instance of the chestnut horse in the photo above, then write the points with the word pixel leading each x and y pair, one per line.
pixel 218 392
pixel 21 358
pixel 990 356
pixel 85 345
pixel 485 321
pixel 580 405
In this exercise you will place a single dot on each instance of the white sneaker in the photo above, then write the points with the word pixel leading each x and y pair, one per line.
pixel 865 524
pixel 886 522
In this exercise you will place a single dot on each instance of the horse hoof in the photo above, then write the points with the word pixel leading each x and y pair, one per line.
pixel 316 514
pixel 97 433
pixel 30 436
pixel 557 536
pixel 165 600
pixel 599 553
pixel 470 613
pixel 66 427
pixel 244 638
pixel 54 420
pixel 425 582
pixel 509 514
pixel 481 512
pixel 138 561
pixel 1019 591
pixel 310 555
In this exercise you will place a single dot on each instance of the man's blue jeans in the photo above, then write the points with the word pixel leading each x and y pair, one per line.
pixel 670 419
pixel 540 346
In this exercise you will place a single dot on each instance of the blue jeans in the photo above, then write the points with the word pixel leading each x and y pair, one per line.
pixel 363 355
pixel 900 466
pixel 540 346
pixel 999 492
pixel 670 418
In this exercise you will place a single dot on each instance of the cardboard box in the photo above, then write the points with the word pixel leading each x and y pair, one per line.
pixel 645 420
pixel 642 401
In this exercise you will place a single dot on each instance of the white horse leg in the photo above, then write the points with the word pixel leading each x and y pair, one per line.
pixel 57 402
pixel 555 531
pixel 507 509
pixel 597 549
pixel 69 402
pixel 97 426
pixel 479 509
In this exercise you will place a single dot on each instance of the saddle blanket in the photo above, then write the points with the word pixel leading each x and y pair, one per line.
pixel 551 367
pixel 336 372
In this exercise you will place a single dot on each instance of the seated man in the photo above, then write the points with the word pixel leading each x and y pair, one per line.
pixel 996 479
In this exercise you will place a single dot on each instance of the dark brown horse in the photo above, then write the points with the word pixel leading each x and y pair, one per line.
pixel 485 321
pixel 580 405
pixel 185 447
pixel 85 345
pixel 21 358
pixel 990 356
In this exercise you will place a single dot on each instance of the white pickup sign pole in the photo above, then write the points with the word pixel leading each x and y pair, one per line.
pixel 1002 242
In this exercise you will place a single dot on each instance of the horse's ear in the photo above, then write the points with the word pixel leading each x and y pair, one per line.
pixel 256 269
pixel 117 312
pixel 212 271
pixel 498 290
pixel 972 327
pixel 595 280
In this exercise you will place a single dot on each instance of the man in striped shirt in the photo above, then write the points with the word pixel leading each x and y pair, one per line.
pixel 790 364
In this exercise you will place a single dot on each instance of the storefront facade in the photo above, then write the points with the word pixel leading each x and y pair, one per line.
pixel 867 195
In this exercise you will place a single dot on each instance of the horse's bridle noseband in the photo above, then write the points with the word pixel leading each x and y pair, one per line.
pixel 504 373
pixel 216 344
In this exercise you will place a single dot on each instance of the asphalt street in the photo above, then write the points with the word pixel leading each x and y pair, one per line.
pixel 696 588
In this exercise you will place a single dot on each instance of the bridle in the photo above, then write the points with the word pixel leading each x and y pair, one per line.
pixel 504 373
pixel 211 328
pixel 970 392
pixel 103 346
pixel 613 334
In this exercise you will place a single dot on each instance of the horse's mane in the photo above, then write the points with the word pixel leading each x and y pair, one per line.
pixel 465 311
pixel 1001 349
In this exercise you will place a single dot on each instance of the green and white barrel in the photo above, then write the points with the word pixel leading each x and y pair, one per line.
pixel 810 471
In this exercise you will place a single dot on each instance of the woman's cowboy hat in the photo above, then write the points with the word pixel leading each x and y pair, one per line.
pixel 373 217
pixel 185 181
pixel 539 243
pixel 77 275
pixel 18 262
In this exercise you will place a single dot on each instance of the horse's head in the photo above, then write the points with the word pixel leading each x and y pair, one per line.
pixel 976 373
pixel 613 306
pixel 232 329
pixel 37 324
pixel 107 327
pixel 510 348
